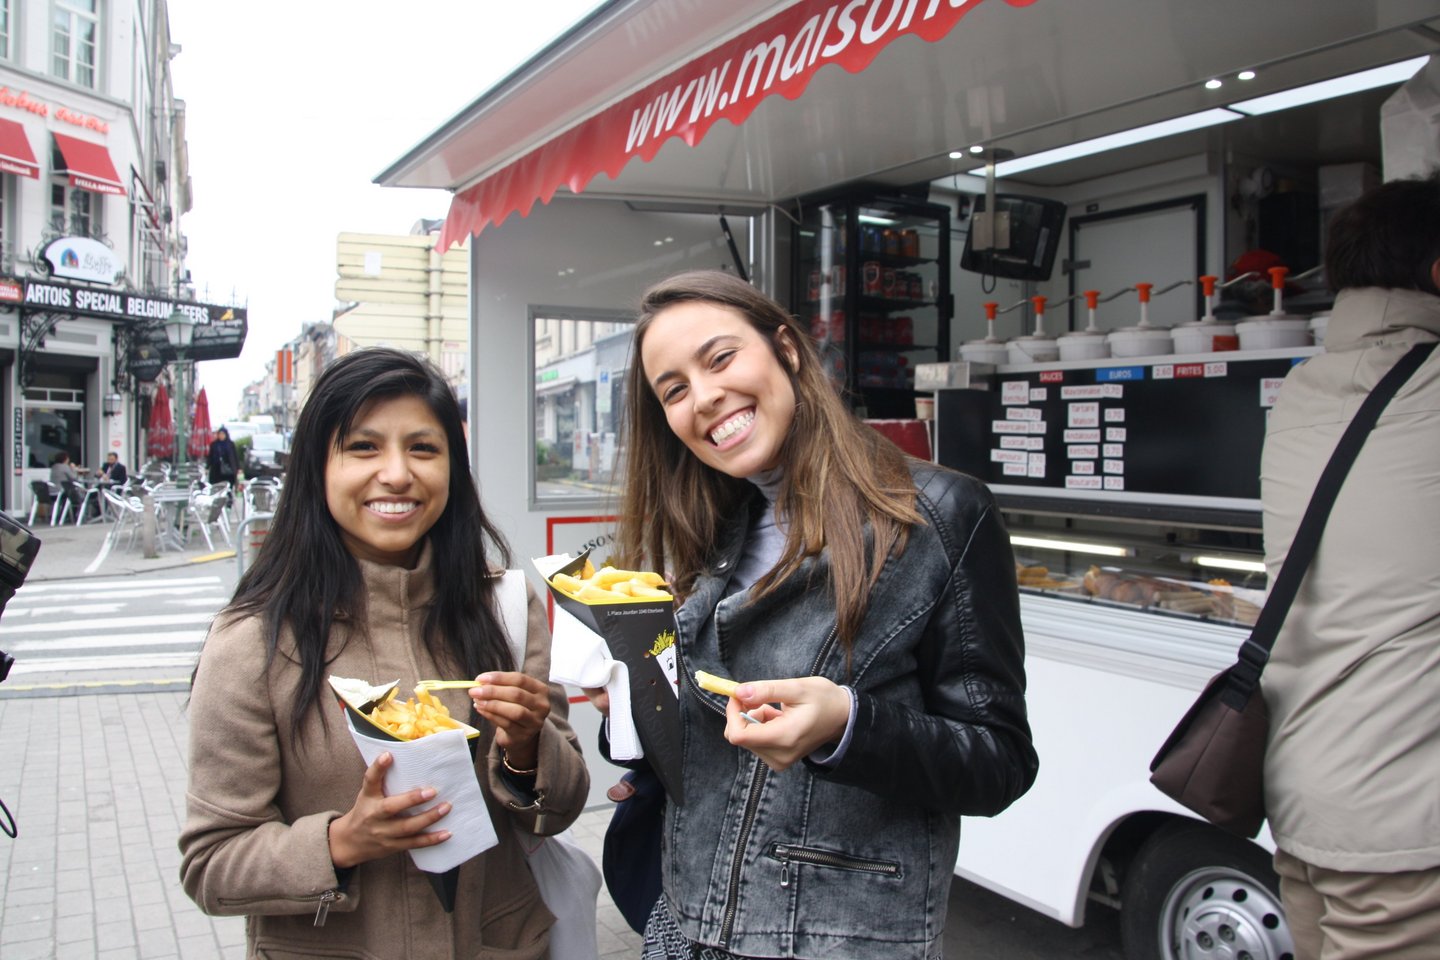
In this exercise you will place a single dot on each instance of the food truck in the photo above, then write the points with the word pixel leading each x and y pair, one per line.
pixel 887 168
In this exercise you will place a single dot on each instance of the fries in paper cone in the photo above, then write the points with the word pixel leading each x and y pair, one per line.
pixel 627 615
pixel 375 711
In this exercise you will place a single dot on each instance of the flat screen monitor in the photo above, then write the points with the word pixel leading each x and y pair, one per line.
pixel 1034 239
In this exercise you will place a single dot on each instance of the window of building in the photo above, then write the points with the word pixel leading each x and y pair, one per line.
pixel 74 212
pixel 577 402
pixel 5 29
pixel 75 40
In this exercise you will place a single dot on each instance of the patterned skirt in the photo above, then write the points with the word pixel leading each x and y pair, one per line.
pixel 664 941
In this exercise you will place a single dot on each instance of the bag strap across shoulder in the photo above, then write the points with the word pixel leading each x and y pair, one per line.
pixel 1255 652
pixel 514 605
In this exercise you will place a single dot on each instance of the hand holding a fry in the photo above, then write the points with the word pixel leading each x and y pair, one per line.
pixel 376 826
pixel 812 712
pixel 517 704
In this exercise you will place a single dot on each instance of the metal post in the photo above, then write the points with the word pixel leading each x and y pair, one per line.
pixel 182 402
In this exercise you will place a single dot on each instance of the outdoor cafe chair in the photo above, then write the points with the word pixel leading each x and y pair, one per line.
pixel 129 513
pixel 91 492
pixel 207 508
pixel 52 498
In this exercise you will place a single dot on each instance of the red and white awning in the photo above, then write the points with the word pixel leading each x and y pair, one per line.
pixel 15 154
pixel 89 165
pixel 777 56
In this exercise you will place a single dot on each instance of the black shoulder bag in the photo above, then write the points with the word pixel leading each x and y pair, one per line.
pixel 1214 760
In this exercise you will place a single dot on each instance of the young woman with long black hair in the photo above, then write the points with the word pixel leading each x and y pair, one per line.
pixel 868 604
pixel 378 565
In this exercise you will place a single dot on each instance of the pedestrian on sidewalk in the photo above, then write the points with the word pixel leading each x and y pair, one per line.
pixel 379 564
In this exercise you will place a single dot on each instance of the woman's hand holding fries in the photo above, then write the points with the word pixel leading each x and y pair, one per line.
pixel 376 826
pixel 812 712
pixel 517 704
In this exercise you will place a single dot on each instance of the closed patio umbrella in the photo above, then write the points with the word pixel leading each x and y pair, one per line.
pixel 200 433
pixel 160 434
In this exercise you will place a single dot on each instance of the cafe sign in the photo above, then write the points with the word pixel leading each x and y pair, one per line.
pixel 80 258
pixel 219 330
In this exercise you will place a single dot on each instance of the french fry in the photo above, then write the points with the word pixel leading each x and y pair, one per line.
pixel 609 584
pixel 417 717
pixel 720 685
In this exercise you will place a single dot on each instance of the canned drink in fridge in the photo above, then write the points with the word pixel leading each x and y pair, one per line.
pixel 837 280
pixel 814 284
pixel 872 278
pixel 887 287
pixel 917 287
pixel 910 242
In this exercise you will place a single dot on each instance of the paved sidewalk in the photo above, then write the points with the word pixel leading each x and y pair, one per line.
pixel 97 788
pixel 68 552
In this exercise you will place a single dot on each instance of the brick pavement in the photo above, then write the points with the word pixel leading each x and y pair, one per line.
pixel 97 788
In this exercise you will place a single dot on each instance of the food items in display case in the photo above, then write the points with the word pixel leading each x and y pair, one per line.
pixel 1213 599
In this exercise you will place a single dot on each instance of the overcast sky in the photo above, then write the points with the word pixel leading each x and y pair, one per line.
pixel 292 109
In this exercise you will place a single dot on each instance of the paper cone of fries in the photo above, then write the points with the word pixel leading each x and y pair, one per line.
pixel 440 759
pixel 624 642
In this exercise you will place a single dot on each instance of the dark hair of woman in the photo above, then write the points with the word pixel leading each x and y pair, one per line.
pixel 845 487
pixel 1388 238
pixel 304 576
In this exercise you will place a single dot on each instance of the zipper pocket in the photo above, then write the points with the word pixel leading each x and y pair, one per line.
pixel 788 854
pixel 322 900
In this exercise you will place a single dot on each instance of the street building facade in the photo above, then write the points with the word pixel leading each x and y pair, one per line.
pixel 94 180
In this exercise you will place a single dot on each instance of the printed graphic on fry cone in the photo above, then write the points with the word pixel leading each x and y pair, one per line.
pixel 633 616
pixel 375 711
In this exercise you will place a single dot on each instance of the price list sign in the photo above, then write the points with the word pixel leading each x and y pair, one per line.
pixel 1192 430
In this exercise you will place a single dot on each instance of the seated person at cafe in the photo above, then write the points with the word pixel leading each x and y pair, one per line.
pixel 113 473
pixel 64 475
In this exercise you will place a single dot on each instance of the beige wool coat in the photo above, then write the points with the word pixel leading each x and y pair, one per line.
pixel 259 804
pixel 1352 769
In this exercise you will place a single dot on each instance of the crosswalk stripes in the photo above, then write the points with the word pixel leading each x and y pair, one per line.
pixel 87 633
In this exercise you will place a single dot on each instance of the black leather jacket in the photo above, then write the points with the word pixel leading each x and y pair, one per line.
pixel 855 860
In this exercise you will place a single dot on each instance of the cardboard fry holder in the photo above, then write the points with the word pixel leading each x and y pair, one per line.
pixel 634 630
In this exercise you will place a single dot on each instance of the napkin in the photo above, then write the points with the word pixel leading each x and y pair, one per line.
pixel 580 657
pixel 441 760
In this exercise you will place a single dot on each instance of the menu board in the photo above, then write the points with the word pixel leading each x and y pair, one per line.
pixel 1122 429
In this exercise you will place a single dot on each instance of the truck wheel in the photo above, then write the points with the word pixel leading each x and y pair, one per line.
pixel 1195 892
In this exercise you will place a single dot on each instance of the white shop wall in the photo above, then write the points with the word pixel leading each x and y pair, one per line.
pixel 574 253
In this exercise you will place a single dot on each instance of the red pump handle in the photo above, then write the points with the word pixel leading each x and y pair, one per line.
pixel 1092 299
pixel 1039 303
pixel 990 310
pixel 1277 277
pixel 1143 289
pixel 1207 284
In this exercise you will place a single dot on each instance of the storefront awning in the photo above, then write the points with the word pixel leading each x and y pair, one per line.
pixel 89 165
pixel 651 78
pixel 15 154
pixel 779 55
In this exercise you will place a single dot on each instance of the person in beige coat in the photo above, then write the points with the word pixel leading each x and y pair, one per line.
pixel 375 568
pixel 1352 769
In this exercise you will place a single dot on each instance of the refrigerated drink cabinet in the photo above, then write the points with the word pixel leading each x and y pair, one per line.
pixel 872 280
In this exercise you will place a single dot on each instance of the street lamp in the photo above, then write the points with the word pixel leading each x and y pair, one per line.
pixel 112 403
pixel 180 331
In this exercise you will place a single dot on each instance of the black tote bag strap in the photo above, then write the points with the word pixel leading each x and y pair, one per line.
pixel 1255 652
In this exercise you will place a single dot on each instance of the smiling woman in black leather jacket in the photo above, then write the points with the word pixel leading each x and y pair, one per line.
pixel 866 601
